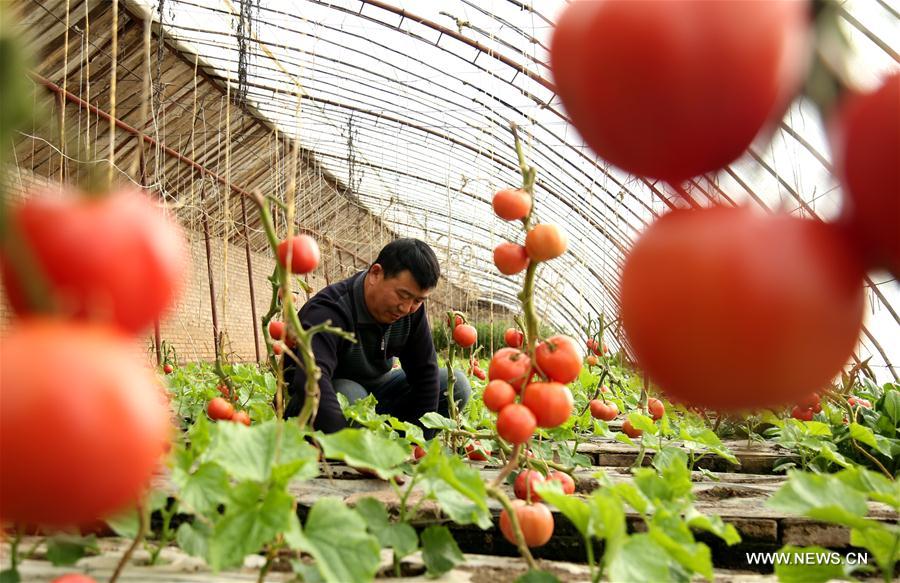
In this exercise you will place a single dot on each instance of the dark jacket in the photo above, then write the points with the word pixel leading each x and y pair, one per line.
pixel 367 361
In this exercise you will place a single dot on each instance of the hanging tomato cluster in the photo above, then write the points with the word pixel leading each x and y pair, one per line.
pixel 83 423
pixel 725 307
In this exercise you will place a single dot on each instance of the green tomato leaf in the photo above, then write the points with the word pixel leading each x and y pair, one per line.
pixel 203 490
pixel 458 488
pixel 891 404
pixel 65 550
pixel 439 550
pixel 361 448
pixel 713 524
pixel 863 434
pixel 644 423
pixel 808 565
pixel 399 536
pixel 194 538
pixel 640 558
pixel 434 420
pixel 822 497
pixel 10 576
pixel 576 510
pixel 246 453
pixel 881 540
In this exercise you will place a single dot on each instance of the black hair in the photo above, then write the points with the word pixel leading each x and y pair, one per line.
pixel 414 255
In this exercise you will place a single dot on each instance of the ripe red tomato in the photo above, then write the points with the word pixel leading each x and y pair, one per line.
pixel 457 320
pixel 510 258
pixel 168 369
pixel 811 401
pixel 513 338
pixel 558 358
pixel 630 430
pixel 276 330
pixel 79 439
pixel 690 100
pixel 510 365
pixel 516 423
pixel 419 452
pixel 74 578
pixel 498 394
pixel 535 520
pixel 801 413
pixel 477 452
pixel 859 402
pixel 304 253
pixel 568 483
pixel 866 144
pixel 655 408
pixel 512 204
pixel 220 409
pixel 551 403
pixel 465 335
pixel 478 373
pixel 593 346
pixel 524 485
pixel 277 348
pixel 545 241
pixel 114 259
pixel 223 389
pixel 603 411
pixel 241 417
pixel 758 311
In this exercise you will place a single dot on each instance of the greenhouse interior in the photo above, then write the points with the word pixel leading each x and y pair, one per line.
pixel 528 291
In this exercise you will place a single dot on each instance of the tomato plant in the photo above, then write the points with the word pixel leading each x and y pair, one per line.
pixel 511 204
pixel 691 100
pixel 516 423
pixel 545 241
pixel 510 365
pixel 497 395
pixel 771 304
pixel 510 258
pixel 513 338
pixel 79 439
pixel 551 403
pixel 465 335
pixel 114 258
pixel 866 144
pixel 535 520
pixel 304 253
pixel 558 358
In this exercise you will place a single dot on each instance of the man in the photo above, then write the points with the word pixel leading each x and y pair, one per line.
pixel 384 308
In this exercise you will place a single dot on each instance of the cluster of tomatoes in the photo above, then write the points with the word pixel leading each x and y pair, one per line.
pixel 83 423
pixel 770 303
pixel 222 409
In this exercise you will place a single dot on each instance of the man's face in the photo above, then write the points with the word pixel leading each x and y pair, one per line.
pixel 391 298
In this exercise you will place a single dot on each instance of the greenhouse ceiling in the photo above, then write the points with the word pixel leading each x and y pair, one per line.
pixel 410 104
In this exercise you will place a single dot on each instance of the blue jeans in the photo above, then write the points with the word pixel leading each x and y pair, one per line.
pixel 392 393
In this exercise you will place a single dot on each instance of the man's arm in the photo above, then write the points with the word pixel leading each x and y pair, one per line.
pixel 329 417
pixel 420 365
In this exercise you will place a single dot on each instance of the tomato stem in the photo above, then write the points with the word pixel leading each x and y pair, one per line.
pixel 509 467
pixel 142 529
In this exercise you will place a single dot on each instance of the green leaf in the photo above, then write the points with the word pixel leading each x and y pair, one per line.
pixel 640 558
pixel 608 521
pixel 670 533
pixel 336 537
pixel 632 496
pixel 125 524
pixel 822 497
pixel 891 405
pixel 246 453
pixel 434 420
pixel 713 524
pixel 439 550
pixel 863 434
pixel 10 576
pixel 872 484
pixel 817 428
pixel 364 449
pixel 253 517
pixel 807 565
pixel 296 459
pixel 194 538
pixel 399 536
pixel 537 577
pixel 458 488
pixel 642 422
pixel 576 510
pixel 203 490
pixel 622 438
pixel 882 540
pixel 65 550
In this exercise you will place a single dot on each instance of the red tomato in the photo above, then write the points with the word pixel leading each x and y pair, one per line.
pixel 629 429
pixel 802 414
pixel 465 335
pixel 304 253
pixel 79 439
pixel 114 259
pixel 477 452
pixel 655 408
pixel 593 346
pixel 457 320
pixel 511 205
pixel 591 360
pixel 513 338
pixel 168 369
pixel 673 89
pixel 568 484
pixel 524 485
pixel 419 452
pixel 479 373
pixel 74 578
pixel 551 403
pixel 558 358
pixel 771 305
pixel 498 394
pixel 866 144
pixel 277 348
pixel 516 423
pixel 545 241
pixel 604 411
pixel 241 417
pixel 810 401
pixel 510 365
pixel 223 389
pixel 220 409
pixel 510 258
pixel 859 402
pixel 535 521
pixel 276 330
